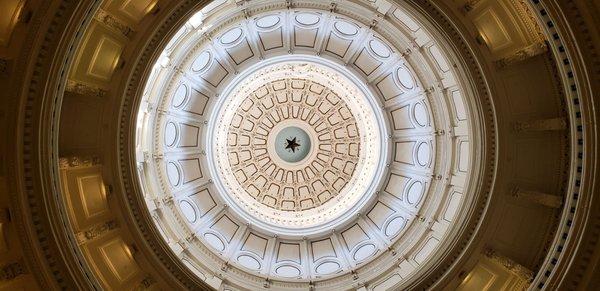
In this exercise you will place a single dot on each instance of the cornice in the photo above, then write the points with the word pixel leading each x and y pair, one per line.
pixel 150 43
pixel 465 242
pixel 574 44
pixel 41 219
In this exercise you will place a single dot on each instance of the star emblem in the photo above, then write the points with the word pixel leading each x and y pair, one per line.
pixel 291 144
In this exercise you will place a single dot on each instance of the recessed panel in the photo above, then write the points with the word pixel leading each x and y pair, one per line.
pixel 118 258
pixel 188 211
pixel 346 28
pixel 173 173
pixel 415 192
pixel 353 236
pixel 337 45
pixel 401 118
pixel 204 201
pixel 191 170
pixel 272 39
pixel 405 77
pixel 379 214
pixel 420 114
pixel 215 241
pixel 91 190
pixel 396 185
pixel 307 18
pixel 367 63
pixel 388 88
pixel 180 95
pixel 323 248
pixel 380 49
pixel 249 262
pixel 327 267
pixel 189 135
pixel 268 21
pixel 288 271
pixel 105 58
pixel 426 250
pixel 404 152
pixel 240 52
pixel 289 252
pixel 197 102
pixel 463 156
pixel 395 226
pixel 364 252
pixel 226 227
pixel 231 36
pixel 423 154
pixel 256 244
pixel 202 61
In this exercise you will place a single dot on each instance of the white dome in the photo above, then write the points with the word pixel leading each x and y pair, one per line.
pixel 384 121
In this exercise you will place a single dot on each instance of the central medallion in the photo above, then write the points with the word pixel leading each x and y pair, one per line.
pixel 297 145
pixel 292 144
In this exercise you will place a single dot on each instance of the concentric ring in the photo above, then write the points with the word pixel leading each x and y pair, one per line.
pixel 339 173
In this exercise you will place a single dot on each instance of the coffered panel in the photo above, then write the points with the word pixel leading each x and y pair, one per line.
pixel 86 194
pixel 130 11
pixel 98 57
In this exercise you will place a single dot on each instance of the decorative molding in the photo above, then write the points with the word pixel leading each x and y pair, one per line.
pixel 161 253
pixel 38 76
pixel 545 199
pixel 78 161
pixel 145 284
pixel 464 242
pixel 552 124
pixel 83 89
pixel 96 231
pixel 527 16
pixel 572 46
pixel 12 270
pixel 112 22
pixel 528 52
pixel 523 273
pixel 532 29
pixel 470 5
pixel 359 117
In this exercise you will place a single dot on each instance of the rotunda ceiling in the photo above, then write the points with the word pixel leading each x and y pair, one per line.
pixel 301 144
